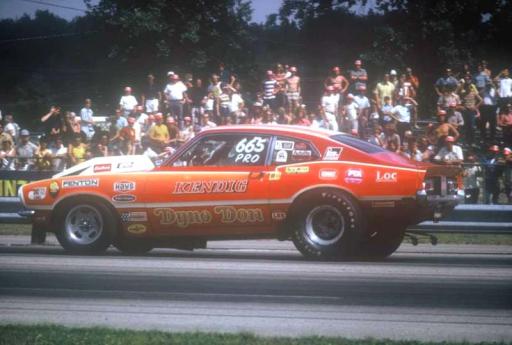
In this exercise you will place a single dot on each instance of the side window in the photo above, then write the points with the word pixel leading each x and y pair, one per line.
pixel 289 151
pixel 226 150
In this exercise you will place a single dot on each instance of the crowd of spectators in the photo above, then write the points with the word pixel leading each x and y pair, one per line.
pixel 472 124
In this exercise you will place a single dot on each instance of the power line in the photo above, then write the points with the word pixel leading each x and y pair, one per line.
pixel 55 5
pixel 45 37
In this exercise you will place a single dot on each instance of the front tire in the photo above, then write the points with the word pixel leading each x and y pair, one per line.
pixel 328 226
pixel 85 227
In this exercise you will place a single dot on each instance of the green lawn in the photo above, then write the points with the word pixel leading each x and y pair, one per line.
pixel 58 335
pixel 24 229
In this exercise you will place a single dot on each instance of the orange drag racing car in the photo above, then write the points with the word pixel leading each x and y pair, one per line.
pixel 333 195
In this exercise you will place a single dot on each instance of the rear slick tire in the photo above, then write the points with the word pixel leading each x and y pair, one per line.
pixel 380 246
pixel 132 246
pixel 327 226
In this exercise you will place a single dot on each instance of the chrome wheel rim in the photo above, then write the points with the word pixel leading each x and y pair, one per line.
pixel 83 224
pixel 325 225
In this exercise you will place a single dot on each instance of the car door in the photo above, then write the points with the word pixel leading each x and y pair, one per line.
pixel 216 186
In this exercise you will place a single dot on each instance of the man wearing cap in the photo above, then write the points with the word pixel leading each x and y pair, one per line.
pixel 151 96
pixel 383 89
pixel 450 153
pixel 25 150
pixel 358 76
pixel 446 83
pixel 175 95
pixel 293 89
pixel 127 102
pixel 393 77
pixel 492 172
pixel 270 90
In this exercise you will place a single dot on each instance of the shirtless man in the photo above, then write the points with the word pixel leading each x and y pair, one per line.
pixel 293 90
pixel 338 81
pixel 444 130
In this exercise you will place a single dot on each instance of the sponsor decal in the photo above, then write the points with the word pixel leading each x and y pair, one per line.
pixel 274 176
pixel 54 188
pixel 124 186
pixel 284 145
pixel 202 187
pixel 332 153
pixel 137 216
pixel 278 215
pixel 39 219
pixel 301 153
pixel 383 204
pixel 102 167
pixel 281 156
pixel 37 193
pixel 328 174
pixel 297 170
pixel 136 228
pixel 229 214
pixel 354 176
pixel 124 198
pixel 182 219
pixel 92 182
pixel 125 165
pixel 384 177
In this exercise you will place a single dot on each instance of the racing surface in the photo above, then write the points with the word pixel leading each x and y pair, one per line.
pixel 445 292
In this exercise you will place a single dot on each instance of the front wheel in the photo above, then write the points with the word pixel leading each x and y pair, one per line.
pixel 85 227
pixel 328 226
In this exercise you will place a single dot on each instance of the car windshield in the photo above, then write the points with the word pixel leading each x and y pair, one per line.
pixel 357 143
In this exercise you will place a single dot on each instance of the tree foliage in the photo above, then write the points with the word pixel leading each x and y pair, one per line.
pixel 119 41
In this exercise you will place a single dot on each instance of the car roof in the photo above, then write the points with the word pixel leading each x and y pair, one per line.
pixel 274 129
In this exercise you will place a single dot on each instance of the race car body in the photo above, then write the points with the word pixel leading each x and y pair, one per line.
pixel 332 194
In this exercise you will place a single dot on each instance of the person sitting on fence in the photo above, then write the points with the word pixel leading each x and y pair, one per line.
pixel 450 153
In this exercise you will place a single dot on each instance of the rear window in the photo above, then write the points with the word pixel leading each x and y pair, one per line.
pixel 357 143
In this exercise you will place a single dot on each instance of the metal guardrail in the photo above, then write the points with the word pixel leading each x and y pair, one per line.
pixel 466 219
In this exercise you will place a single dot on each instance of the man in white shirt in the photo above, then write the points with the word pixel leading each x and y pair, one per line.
pixel 86 119
pixel 450 153
pixel 505 88
pixel 330 100
pixel 128 102
pixel 402 113
pixel 175 95
pixel 11 127
pixel 351 114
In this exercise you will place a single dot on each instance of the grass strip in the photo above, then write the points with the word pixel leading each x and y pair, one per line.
pixel 60 335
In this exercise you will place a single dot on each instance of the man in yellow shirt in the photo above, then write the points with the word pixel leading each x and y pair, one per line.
pixel 383 89
pixel 159 134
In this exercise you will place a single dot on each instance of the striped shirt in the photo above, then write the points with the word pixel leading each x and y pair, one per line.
pixel 268 89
